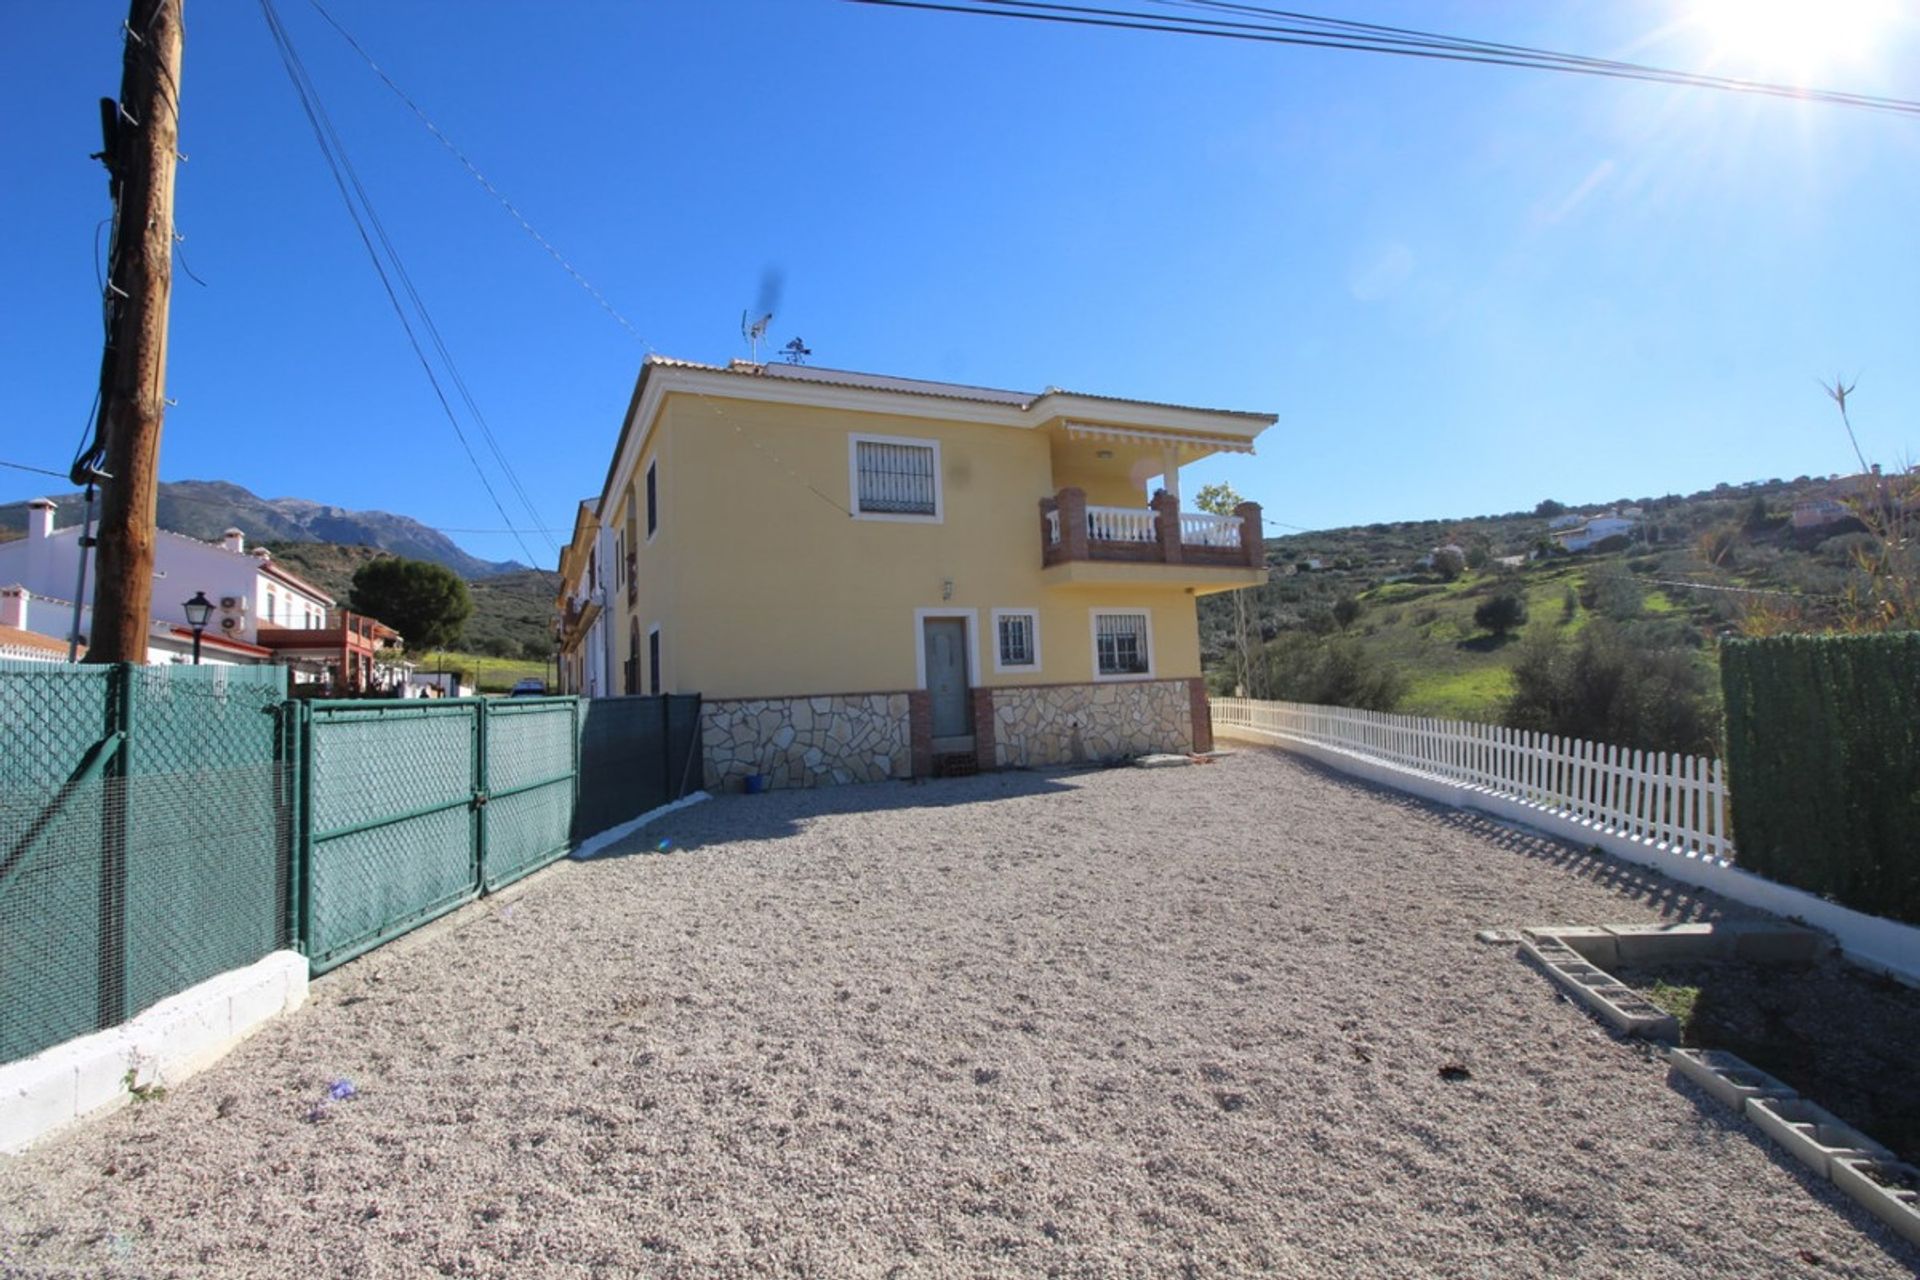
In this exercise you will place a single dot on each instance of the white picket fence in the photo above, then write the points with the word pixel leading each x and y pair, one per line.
pixel 1671 801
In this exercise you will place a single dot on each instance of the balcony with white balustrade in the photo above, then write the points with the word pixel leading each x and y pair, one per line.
pixel 1087 544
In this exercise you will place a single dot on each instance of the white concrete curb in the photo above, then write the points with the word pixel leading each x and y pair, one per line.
pixel 159 1048
pixel 592 845
pixel 1873 942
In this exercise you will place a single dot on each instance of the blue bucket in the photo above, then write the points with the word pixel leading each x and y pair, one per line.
pixel 754 783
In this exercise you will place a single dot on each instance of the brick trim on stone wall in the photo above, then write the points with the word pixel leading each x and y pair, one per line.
pixel 1202 714
pixel 983 728
pixel 920 732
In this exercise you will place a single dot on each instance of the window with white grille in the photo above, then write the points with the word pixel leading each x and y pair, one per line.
pixel 896 478
pixel 1016 634
pixel 1121 645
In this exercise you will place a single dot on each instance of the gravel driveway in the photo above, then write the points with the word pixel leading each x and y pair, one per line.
pixel 1128 1023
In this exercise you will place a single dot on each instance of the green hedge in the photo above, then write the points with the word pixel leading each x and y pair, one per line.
pixel 1823 757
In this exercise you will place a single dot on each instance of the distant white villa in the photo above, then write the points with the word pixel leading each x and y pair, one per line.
pixel 1595 529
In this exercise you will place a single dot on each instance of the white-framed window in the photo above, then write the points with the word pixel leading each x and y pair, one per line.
pixel 894 478
pixel 1016 640
pixel 1122 644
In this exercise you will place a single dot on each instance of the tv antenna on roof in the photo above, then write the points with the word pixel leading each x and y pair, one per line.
pixel 755 331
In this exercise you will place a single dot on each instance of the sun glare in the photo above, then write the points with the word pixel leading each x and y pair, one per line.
pixel 1800 38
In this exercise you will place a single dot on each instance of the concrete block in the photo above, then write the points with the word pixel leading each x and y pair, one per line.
pixel 1603 994
pixel 1548 949
pixel 1813 1134
pixel 100 1073
pixel 1595 943
pixel 1661 943
pixel 254 1001
pixel 295 967
pixel 36 1096
pixel 1769 942
pixel 184 1038
pixel 1890 1191
pixel 1728 1077
pixel 163 1045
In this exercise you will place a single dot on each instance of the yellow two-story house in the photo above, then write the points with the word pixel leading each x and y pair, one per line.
pixel 870 577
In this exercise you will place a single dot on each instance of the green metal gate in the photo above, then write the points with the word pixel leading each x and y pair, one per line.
pixel 532 762
pixel 415 807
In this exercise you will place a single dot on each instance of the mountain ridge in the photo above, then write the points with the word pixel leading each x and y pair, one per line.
pixel 206 508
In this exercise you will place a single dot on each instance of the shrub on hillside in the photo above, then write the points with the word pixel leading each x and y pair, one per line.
pixel 1330 673
pixel 1501 614
pixel 1612 592
pixel 1610 685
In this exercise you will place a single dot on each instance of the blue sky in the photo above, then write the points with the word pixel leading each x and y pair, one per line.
pixel 1461 289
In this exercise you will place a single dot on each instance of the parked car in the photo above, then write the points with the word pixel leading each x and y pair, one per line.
pixel 529 689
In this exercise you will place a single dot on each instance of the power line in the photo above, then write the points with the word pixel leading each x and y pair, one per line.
pixel 578 277
pixel 1412 45
pixel 39 471
pixel 478 176
pixel 333 151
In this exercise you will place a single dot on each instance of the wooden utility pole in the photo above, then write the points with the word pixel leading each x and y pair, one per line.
pixel 140 151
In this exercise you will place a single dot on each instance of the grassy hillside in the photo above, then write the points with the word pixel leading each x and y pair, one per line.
pixel 488 675
pixel 512 614
pixel 1672 585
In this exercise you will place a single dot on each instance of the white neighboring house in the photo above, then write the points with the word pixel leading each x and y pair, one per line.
pixel 1598 529
pixel 1426 561
pixel 18 643
pixel 1813 513
pixel 1567 521
pixel 41 572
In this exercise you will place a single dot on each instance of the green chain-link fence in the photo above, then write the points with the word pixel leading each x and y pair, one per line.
pixel 144 838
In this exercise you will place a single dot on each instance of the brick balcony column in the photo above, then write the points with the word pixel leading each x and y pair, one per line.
pixel 1166 523
pixel 1253 530
pixel 1050 552
pixel 1072 503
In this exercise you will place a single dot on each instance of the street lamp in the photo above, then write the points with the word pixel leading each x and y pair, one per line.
pixel 198 609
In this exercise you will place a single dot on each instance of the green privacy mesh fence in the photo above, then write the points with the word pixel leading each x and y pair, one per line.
pixel 145 816
pixel 160 825
pixel 636 754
